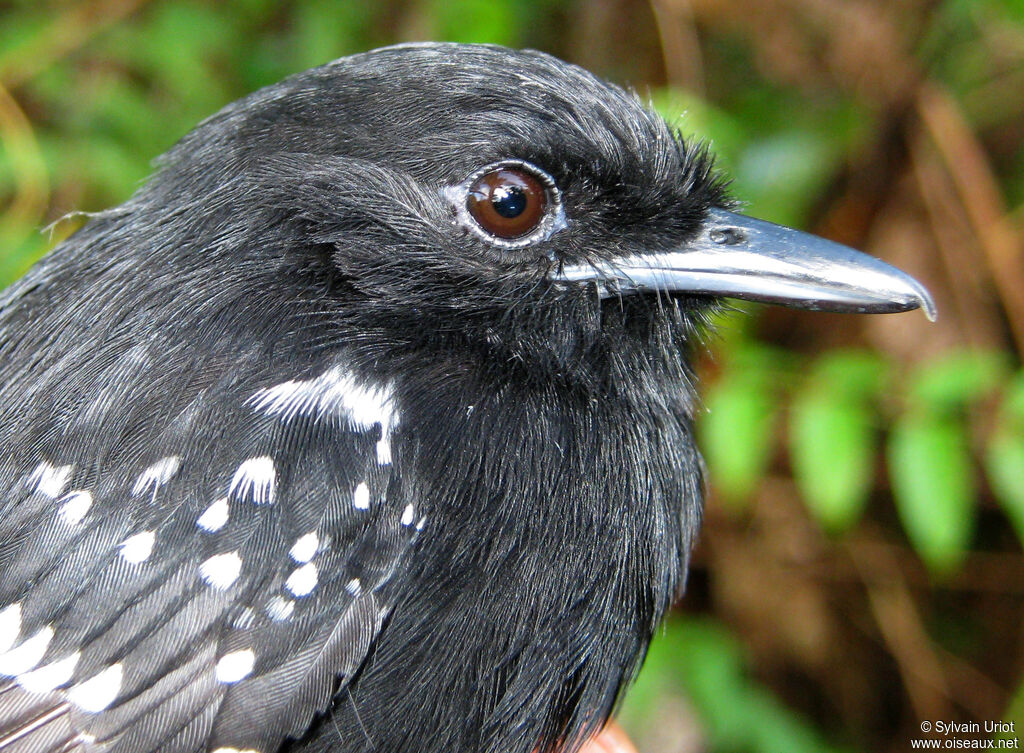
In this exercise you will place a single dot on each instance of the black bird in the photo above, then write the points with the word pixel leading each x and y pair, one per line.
pixel 366 424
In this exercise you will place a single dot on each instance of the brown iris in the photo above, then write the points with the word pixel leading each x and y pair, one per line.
pixel 507 202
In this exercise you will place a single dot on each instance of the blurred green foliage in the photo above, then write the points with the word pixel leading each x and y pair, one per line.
pixel 92 92
pixel 736 711
pixel 833 435
pixel 836 416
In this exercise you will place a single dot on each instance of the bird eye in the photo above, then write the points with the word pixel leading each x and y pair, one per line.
pixel 507 202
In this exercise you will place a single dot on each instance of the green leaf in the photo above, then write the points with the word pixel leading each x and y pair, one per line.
pixel 956 380
pixel 710 663
pixel 833 446
pixel 1004 465
pixel 703 659
pixel 19 253
pixel 1012 407
pixel 1004 456
pixel 933 484
pixel 479 21
pixel 853 374
pixel 181 41
pixel 832 437
pixel 325 30
pixel 780 175
pixel 702 121
pixel 780 729
pixel 1014 10
pixel 736 434
pixel 116 171
pixel 737 429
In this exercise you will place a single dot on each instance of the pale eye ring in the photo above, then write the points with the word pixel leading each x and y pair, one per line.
pixel 510 204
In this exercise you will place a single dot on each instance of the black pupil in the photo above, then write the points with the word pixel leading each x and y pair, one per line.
pixel 509 201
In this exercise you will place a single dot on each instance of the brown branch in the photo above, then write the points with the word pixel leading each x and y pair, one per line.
pixel 903 632
pixel 680 46
pixel 982 200
pixel 958 246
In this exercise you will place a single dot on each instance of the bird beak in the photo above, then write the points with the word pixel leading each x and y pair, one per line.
pixel 735 256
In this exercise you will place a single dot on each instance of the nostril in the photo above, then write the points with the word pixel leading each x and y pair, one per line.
pixel 727 236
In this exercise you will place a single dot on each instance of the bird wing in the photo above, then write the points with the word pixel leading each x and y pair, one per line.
pixel 195 576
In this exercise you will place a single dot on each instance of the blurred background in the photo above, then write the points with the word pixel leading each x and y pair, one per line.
pixel 860 570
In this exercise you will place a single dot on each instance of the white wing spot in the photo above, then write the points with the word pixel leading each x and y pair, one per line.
pixel 280 608
pixel 10 626
pixel 354 587
pixel 74 506
pixel 302 581
pixel 422 522
pixel 256 479
pixel 221 570
pixel 215 517
pixel 335 392
pixel 50 480
pixel 361 498
pixel 408 514
pixel 157 475
pixel 137 548
pixel 25 657
pixel 50 677
pixel 235 666
pixel 305 547
pixel 235 750
pixel 384 450
pixel 98 692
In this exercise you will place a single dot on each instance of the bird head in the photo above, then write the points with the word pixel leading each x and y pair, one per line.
pixel 481 200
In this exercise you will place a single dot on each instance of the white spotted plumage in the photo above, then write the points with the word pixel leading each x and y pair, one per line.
pixel 137 548
pixel 255 480
pixel 49 479
pixel 253 485
pixel 235 666
pixel 74 506
pixel 361 496
pixel 157 475
pixel 215 516
pixel 244 619
pixel 51 676
pixel 280 608
pixel 302 580
pixel 26 655
pixel 99 691
pixel 221 570
pixel 305 548
pixel 335 392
